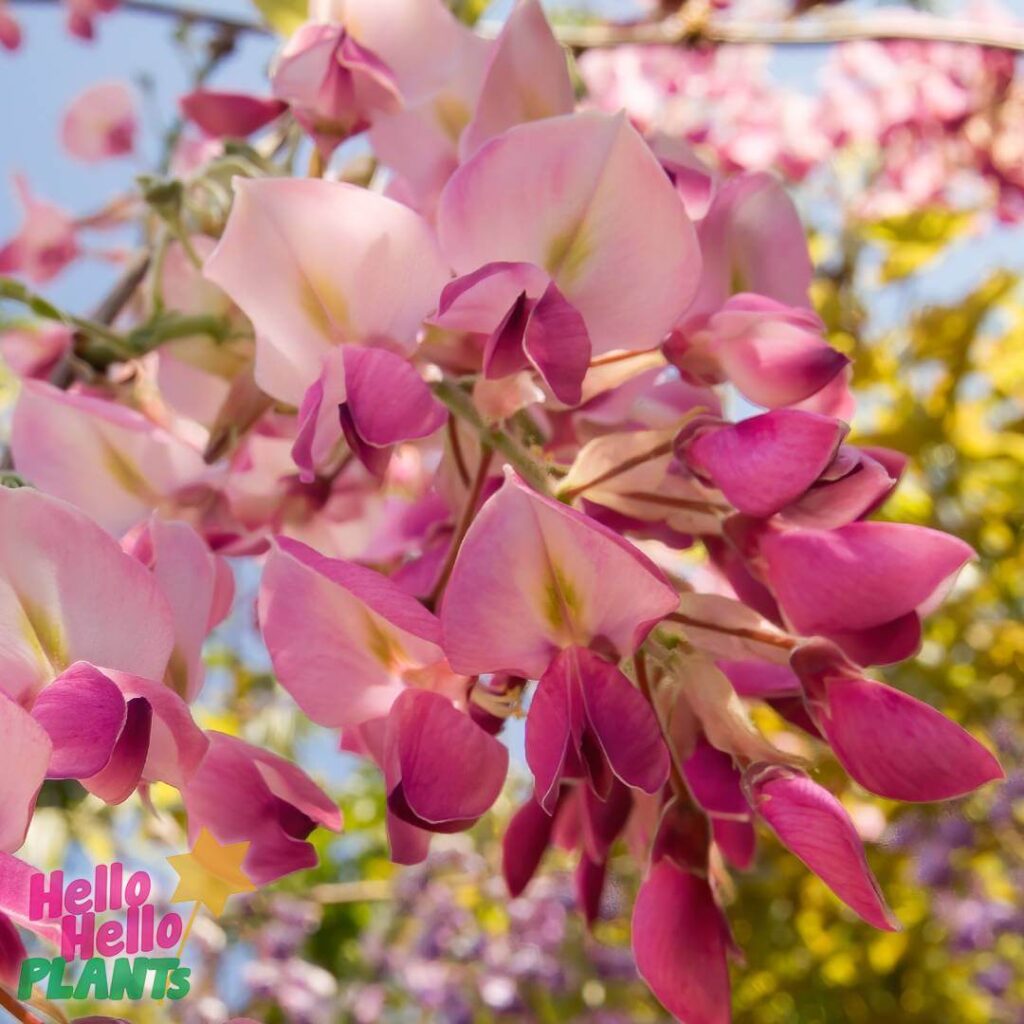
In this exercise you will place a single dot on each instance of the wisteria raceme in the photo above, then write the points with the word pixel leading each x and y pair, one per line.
pixel 465 421
pixel 936 113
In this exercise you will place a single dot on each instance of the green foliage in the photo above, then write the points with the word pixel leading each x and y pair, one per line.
pixel 283 16
pixel 911 240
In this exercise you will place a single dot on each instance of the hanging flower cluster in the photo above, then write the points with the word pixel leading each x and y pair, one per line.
pixel 929 120
pixel 477 422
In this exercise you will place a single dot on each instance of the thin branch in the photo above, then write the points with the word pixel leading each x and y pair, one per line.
pixel 183 12
pixel 826 31
pixel 569 494
pixel 461 404
pixel 466 520
pixel 781 640
pixel 686 30
pixel 16 1010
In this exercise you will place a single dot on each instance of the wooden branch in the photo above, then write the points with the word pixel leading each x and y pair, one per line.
pixel 687 29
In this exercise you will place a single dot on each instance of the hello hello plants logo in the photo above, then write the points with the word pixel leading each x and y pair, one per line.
pixel 109 926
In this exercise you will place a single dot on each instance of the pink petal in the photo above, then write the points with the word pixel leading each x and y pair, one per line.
pixel 35 351
pixel 198 586
pixel 714 780
pixel 775 355
pixel 527 78
pixel 550 727
pixel 402 31
pixel 760 678
pixel 504 352
pixel 46 242
pixel 12 950
pixel 886 644
pixel 855 491
pixel 244 794
pixel 175 744
pixel 890 743
pixel 589 878
pixel 24 758
pixel 562 578
pixel 335 86
pixel 118 779
pixel 340 636
pixel 603 820
pixel 15 891
pixel 764 463
pixel 526 839
pixel 313 263
pixel 319 433
pixel 408 844
pixel 443 771
pixel 63 582
pixel 549 193
pixel 680 943
pixel 10 31
pixel 682 835
pixel 388 399
pixel 694 181
pixel 860 575
pixel 229 114
pixel 812 824
pixel 737 840
pixel 478 301
pixel 107 459
pixel 101 123
pixel 83 713
pixel 753 241
pixel 622 721
pixel 557 343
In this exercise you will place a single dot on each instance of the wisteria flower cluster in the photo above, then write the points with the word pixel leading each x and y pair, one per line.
pixel 929 119
pixel 536 420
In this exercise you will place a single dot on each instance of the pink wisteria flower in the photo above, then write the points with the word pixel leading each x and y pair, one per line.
pixel 46 243
pixel 222 114
pixel 541 424
pixel 101 123
pixel 401 704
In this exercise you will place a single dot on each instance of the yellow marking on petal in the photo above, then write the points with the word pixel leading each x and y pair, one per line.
pixel 127 474
pixel 737 281
pixel 45 636
pixel 325 305
pixel 562 603
pixel 384 646
pixel 177 673
pixel 452 115
pixel 533 105
pixel 567 253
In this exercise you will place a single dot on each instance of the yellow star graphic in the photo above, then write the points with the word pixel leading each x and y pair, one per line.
pixel 210 873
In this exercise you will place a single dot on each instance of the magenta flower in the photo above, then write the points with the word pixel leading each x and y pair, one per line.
pixel 813 824
pixel 864 585
pixel 46 243
pixel 220 114
pixel 889 742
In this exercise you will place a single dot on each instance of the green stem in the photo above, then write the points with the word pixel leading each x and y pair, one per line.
pixel 460 402
pixel 15 291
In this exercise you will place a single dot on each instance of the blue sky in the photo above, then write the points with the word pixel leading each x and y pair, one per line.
pixel 51 68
